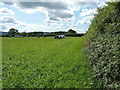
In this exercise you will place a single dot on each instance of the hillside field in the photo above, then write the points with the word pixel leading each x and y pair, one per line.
pixel 45 62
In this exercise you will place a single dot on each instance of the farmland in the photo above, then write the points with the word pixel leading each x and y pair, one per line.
pixel 45 62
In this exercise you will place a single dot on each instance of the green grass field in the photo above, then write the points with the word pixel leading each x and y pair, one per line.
pixel 45 62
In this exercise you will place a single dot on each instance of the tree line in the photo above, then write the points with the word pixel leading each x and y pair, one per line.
pixel 15 33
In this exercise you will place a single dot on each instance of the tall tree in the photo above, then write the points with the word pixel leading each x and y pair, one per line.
pixel 12 32
pixel 70 31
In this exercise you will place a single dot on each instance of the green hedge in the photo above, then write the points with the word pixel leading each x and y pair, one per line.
pixel 103 45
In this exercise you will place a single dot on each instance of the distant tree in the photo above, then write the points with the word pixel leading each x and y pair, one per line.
pixel 70 31
pixel 52 33
pixel 12 32
pixel 24 34
pixel 37 33
pixel 59 32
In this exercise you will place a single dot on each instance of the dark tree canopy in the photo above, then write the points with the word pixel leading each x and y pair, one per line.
pixel 12 32
pixel 59 32
pixel 70 31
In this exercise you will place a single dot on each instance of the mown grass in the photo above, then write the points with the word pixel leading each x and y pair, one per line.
pixel 45 62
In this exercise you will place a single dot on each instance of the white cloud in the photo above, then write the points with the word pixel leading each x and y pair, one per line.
pixel 86 12
pixel 102 4
pixel 35 27
pixel 55 16
pixel 87 16
pixel 86 20
pixel 50 22
pixel 55 11
pixel 52 0
pixel 8 22
pixel 61 13
pixel 8 19
pixel 6 11
pixel 3 27
pixel 32 26
pixel 8 2
pixel 48 5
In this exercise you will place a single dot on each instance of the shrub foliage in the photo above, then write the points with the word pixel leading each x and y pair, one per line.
pixel 103 45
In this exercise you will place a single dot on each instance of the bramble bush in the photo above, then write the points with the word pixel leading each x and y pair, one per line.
pixel 103 45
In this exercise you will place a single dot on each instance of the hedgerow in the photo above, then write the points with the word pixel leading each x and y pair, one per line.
pixel 103 45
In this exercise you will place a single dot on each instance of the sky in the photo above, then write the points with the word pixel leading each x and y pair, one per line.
pixel 48 15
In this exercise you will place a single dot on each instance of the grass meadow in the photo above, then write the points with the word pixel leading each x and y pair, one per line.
pixel 45 63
